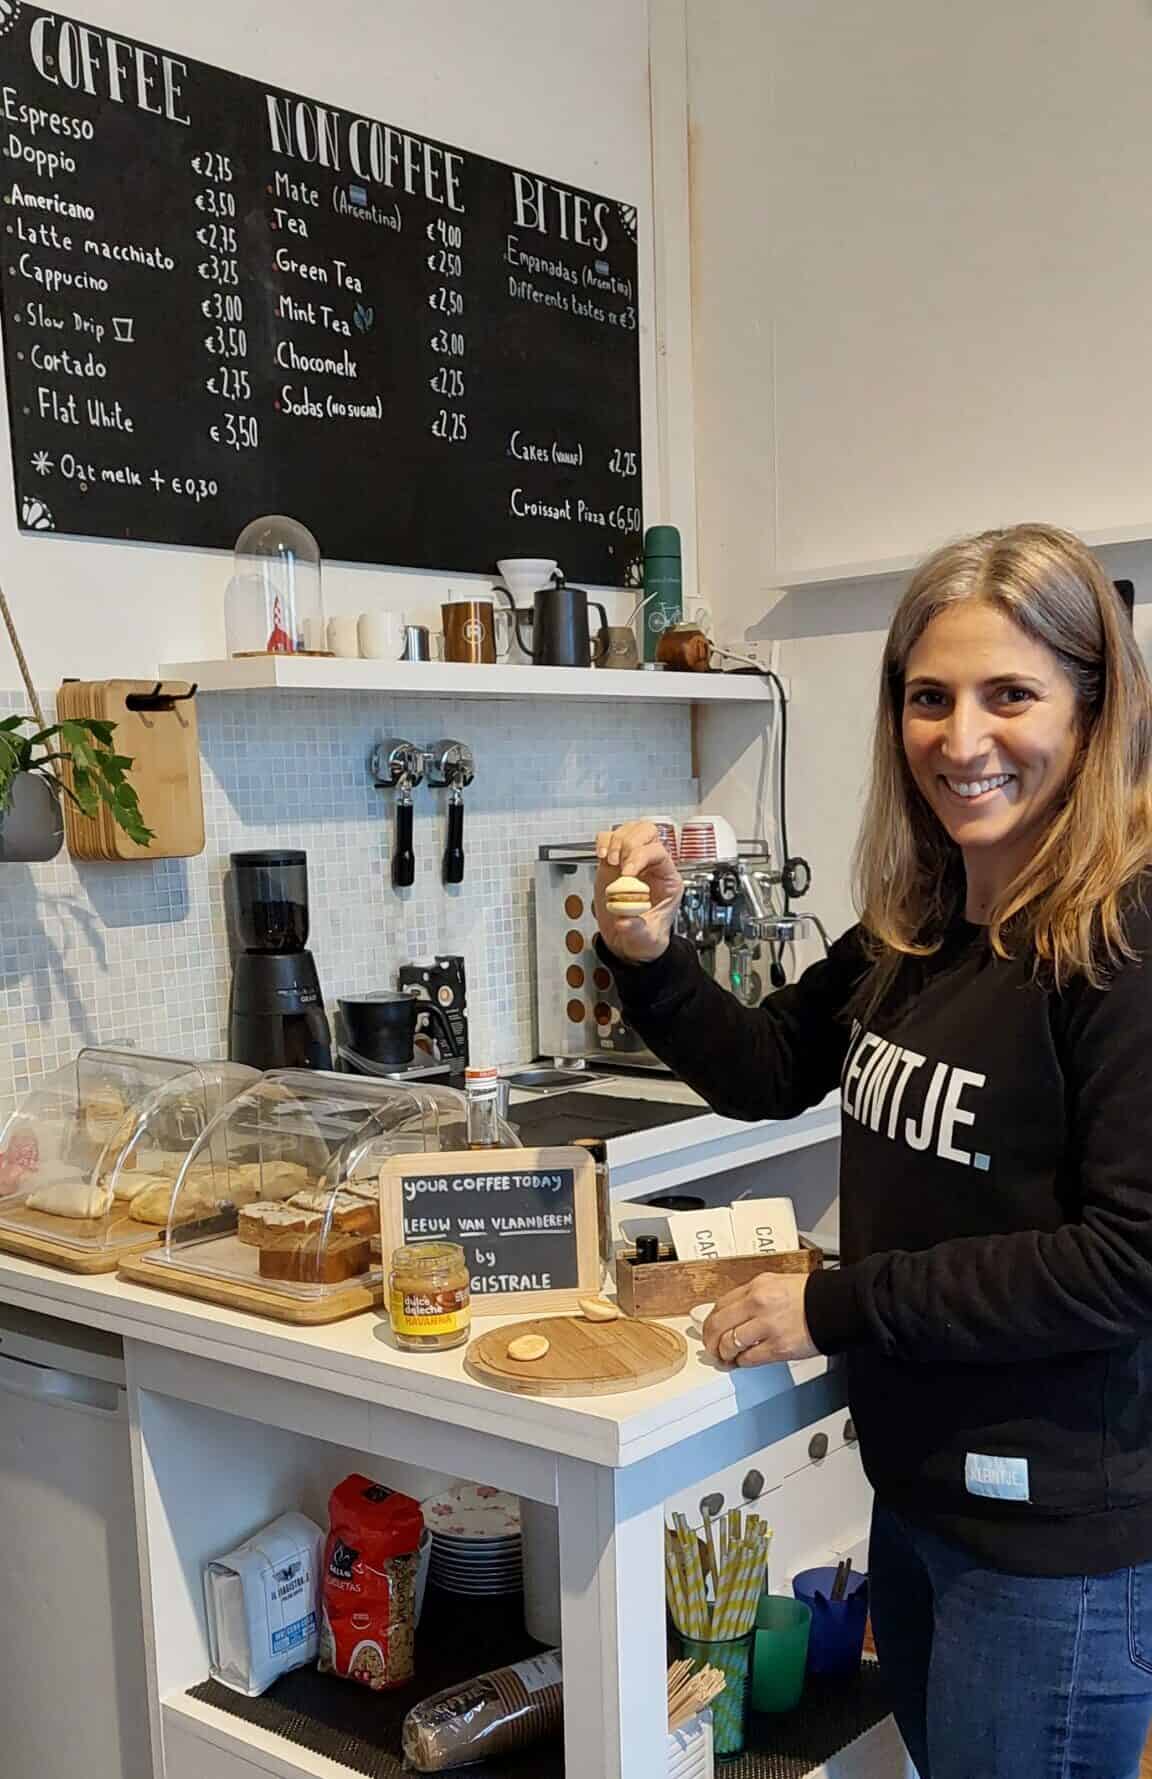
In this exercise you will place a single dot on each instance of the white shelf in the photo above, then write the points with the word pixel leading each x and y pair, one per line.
pixel 451 679
pixel 787 579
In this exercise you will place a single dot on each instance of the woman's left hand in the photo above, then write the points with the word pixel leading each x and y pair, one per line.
pixel 760 1323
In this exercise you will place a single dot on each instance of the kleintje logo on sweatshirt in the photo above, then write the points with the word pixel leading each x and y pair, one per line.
pixel 891 1090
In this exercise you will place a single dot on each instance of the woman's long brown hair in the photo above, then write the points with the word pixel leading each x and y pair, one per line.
pixel 1066 902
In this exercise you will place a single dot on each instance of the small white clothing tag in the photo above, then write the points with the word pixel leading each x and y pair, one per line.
pixel 1002 1479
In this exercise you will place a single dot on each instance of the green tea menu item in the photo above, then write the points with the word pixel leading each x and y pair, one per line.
pixel 222 300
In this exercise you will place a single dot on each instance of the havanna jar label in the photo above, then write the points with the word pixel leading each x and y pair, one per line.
pixel 431 1312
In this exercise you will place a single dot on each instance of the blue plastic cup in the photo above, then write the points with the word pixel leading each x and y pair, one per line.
pixel 836 1640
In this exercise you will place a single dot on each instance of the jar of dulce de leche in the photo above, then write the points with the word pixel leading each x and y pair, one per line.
pixel 430 1297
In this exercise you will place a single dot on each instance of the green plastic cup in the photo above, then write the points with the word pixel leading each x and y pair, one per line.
pixel 781 1652
pixel 733 1657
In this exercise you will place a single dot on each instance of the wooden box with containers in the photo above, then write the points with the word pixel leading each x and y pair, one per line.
pixel 309 1197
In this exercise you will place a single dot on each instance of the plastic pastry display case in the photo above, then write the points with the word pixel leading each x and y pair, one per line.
pixel 90 1156
pixel 277 1209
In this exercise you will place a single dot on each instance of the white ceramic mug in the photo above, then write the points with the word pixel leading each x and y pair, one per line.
pixel 315 636
pixel 344 637
pixel 381 635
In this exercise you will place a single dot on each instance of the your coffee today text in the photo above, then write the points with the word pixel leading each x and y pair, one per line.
pixel 413 1189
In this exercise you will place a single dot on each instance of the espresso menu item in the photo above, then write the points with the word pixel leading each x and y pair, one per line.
pixel 220 299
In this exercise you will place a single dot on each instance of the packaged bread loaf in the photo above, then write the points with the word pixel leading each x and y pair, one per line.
pixel 496 1713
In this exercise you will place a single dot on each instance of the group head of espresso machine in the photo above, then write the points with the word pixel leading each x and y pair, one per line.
pixel 744 904
pixel 736 914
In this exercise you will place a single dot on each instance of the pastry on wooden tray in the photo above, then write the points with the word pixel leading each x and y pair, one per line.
pixel 269 1223
pixel 350 1215
pixel 330 1264
pixel 76 1198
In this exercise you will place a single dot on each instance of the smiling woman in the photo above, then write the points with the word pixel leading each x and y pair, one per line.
pixel 989 1022
pixel 1011 760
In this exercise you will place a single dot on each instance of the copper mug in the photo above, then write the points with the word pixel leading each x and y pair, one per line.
pixel 470 631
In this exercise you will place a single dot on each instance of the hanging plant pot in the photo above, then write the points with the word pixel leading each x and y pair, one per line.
pixel 31 822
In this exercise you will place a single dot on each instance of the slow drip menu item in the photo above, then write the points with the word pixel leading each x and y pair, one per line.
pixel 220 299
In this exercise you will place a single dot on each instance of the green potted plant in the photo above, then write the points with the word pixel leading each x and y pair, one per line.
pixel 31 819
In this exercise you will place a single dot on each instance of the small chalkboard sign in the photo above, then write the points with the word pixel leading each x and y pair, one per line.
pixel 525 1218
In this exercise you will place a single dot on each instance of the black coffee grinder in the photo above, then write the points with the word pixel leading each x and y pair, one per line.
pixel 277 1018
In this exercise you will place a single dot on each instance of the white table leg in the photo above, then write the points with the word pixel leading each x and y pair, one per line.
pixel 612 1614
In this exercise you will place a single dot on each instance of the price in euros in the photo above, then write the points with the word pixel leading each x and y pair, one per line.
pixel 230 384
pixel 222 306
pixel 448 381
pixel 452 428
pixel 240 431
pixel 449 265
pixel 213 166
pixel 448 302
pixel 215 270
pixel 220 235
pixel 449 344
pixel 447 233
pixel 623 463
pixel 215 203
pixel 624 518
pixel 227 342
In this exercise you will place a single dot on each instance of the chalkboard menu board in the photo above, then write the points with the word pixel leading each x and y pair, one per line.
pixel 221 299
pixel 525 1218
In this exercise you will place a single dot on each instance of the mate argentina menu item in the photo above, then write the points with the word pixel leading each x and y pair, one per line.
pixel 221 299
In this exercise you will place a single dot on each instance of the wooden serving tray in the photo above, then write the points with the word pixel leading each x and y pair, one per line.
pixel 585 1358
pixel 674 1287
pixel 41 1237
pixel 339 1301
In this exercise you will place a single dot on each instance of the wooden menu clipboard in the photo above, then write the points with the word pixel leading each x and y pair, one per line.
pixel 483 1198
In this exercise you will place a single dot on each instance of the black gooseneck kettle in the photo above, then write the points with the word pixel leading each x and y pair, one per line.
pixel 560 631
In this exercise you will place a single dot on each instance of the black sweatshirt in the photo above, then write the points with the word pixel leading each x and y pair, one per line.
pixel 995 1296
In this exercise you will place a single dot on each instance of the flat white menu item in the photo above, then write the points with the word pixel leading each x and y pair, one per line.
pixel 765 1226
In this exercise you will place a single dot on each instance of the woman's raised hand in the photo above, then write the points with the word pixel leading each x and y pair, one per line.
pixel 635 850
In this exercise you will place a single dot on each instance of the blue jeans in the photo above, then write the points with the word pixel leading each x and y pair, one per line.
pixel 997 1676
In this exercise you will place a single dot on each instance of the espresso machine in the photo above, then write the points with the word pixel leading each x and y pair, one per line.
pixel 735 914
pixel 276 1018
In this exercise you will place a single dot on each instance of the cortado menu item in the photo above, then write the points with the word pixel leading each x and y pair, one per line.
pixel 221 299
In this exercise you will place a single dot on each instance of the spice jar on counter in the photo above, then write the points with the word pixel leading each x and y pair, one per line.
pixel 430 1297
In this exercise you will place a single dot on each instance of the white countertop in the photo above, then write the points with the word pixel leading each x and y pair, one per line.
pixel 356 1358
pixel 674 1154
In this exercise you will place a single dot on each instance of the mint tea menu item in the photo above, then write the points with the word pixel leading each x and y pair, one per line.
pixel 220 299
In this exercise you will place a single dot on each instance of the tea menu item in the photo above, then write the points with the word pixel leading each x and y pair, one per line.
pixel 425 356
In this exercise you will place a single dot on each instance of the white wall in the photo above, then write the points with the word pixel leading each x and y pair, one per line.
pixel 919 308
pixel 560 89
pixel 924 270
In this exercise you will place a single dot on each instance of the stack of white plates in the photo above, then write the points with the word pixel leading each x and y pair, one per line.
pixel 476 1548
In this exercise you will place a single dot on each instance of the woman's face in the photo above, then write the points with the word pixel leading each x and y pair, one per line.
pixel 990 729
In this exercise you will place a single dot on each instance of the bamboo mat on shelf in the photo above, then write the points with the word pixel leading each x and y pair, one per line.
pixel 361 1729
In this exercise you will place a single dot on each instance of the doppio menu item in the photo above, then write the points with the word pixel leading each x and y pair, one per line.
pixel 220 299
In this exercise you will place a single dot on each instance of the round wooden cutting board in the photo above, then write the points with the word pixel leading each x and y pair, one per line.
pixel 584 1359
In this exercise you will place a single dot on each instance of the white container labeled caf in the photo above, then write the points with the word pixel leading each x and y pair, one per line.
pixel 262 1601
pixel 750 1226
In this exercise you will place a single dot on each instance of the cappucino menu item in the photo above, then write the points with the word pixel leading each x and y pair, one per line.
pixel 368 1617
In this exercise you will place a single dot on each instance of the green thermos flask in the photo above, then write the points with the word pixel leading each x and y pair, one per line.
pixel 663 577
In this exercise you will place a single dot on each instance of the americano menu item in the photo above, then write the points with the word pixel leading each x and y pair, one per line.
pixel 220 299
